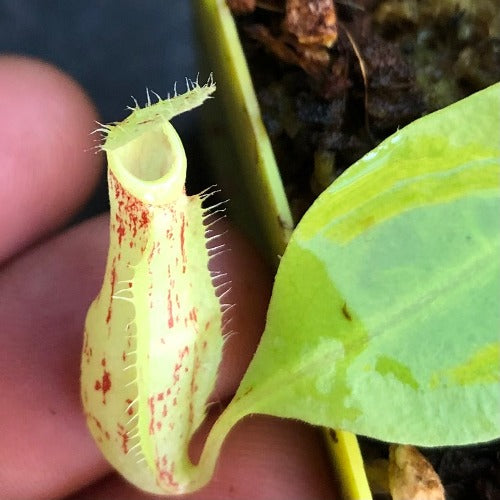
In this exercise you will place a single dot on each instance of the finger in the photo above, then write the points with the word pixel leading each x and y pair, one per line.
pixel 263 458
pixel 47 168
pixel 45 294
pixel 46 451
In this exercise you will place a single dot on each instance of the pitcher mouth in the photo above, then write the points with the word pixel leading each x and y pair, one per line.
pixel 144 151
pixel 148 157
pixel 150 160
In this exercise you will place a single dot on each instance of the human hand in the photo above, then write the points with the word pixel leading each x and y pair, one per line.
pixel 49 275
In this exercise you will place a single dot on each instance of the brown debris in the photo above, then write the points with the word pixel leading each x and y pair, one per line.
pixel 312 21
pixel 411 476
pixel 313 59
pixel 241 6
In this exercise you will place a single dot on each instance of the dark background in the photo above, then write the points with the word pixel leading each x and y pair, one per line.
pixel 115 49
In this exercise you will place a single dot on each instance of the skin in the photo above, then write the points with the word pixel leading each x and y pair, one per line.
pixel 50 272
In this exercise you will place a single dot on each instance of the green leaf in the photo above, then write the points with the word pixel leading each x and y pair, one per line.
pixel 385 315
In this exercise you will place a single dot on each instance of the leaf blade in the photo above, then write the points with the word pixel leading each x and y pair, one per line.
pixel 386 300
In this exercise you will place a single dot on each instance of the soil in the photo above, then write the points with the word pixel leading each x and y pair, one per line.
pixel 331 88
